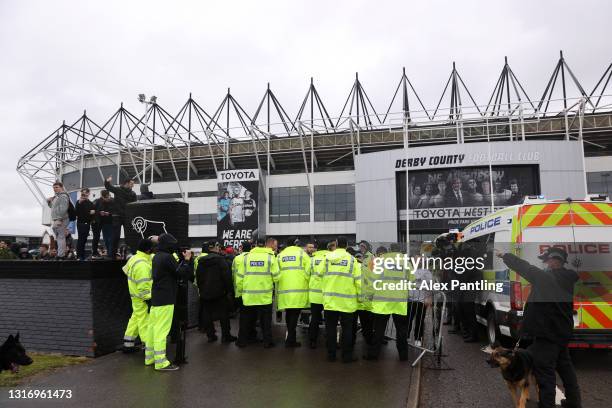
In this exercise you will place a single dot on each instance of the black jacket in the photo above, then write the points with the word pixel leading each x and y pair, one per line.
pixel 549 309
pixel 166 273
pixel 83 209
pixel 214 277
pixel 122 197
pixel 106 206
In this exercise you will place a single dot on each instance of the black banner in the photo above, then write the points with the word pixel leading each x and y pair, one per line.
pixel 237 206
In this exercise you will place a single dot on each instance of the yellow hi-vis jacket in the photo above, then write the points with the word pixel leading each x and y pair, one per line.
pixel 341 282
pixel 256 282
pixel 294 273
pixel 363 301
pixel 238 267
pixel 389 293
pixel 315 294
pixel 138 271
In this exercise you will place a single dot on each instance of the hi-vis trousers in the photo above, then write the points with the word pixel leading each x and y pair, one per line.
pixel 160 322
pixel 138 323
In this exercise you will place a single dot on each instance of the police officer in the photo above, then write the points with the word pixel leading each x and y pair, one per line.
pixel 255 282
pixel 166 274
pixel 363 312
pixel 387 302
pixel 292 287
pixel 548 323
pixel 138 272
pixel 341 285
pixel 315 295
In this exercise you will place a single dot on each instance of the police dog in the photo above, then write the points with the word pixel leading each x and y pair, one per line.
pixel 13 355
pixel 516 368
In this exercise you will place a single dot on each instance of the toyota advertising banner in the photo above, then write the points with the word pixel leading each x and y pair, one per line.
pixel 237 206
pixel 446 198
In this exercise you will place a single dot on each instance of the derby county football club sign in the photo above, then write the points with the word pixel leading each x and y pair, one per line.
pixel 237 215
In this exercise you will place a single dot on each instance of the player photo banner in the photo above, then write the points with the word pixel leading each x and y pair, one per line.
pixel 453 197
pixel 237 206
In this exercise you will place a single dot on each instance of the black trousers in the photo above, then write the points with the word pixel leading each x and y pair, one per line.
pixel 248 320
pixel 291 319
pixel 83 231
pixel 367 328
pixel 346 320
pixel 379 322
pixel 215 309
pixel 117 224
pixel 96 229
pixel 548 357
pixel 416 316
pixel 316 316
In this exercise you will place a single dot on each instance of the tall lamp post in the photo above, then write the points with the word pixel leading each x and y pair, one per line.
pixel 142 98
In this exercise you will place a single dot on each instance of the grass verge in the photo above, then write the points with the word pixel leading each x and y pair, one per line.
pixel 42 363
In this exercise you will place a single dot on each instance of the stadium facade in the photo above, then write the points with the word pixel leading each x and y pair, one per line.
pixel 321 176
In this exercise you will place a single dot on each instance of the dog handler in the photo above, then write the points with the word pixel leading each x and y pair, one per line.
pixel 166 273
pixel 548 323
pixel 138 272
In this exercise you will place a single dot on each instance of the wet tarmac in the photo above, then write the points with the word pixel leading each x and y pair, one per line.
pixel 220 375
pixel 472 383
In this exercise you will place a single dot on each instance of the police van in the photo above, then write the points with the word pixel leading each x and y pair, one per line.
pixel 582 228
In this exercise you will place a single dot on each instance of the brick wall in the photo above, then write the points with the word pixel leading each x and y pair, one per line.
pixel 52 315
pixel 74 308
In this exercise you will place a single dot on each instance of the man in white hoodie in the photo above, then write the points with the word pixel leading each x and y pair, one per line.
pixel 59 204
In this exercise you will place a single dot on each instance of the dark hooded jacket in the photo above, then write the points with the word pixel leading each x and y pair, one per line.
pixel 167 271
pixel 122 196
pixel 549 309
pixel 213 277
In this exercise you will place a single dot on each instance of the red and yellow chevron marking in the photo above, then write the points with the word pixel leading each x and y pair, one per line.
pixel 593 300
pixel 565 214
pixel 594 315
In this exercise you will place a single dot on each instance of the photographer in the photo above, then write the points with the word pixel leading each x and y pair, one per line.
pixel 548 323
pixel 166 275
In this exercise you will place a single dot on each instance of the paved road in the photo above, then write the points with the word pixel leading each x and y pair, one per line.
pixel 224 376
pixel 472 383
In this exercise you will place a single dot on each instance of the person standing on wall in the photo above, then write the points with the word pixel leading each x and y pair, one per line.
pixel 85 213
pixel 341 285
pixel 292 287
pixel 59 204
pixel 214 281
pixel 139 279
pixel 166 272
pixel 255 282
pixel 123 195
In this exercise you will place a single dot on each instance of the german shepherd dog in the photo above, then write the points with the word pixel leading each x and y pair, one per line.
pixel 516 368
pixel 13 355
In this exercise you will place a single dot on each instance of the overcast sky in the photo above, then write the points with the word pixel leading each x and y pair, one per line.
pixel 61 57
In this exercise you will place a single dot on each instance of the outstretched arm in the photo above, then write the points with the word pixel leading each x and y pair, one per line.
pixel 532 273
